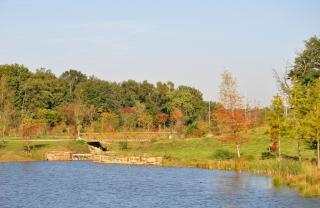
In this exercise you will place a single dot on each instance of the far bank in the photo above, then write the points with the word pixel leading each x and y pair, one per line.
pixel 206 153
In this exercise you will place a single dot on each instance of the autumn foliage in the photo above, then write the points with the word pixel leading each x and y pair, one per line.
pixel 231 124
pixel 29 132
pixel 161 119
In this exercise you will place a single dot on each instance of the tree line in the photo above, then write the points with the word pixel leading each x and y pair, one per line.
pixel 74 102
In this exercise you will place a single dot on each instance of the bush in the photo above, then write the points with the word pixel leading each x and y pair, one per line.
pixel 123 145
pixel 268 155
pixel 167 156
pixel 194 130
pixel 249 157
pixel 222 154
pixel 277 182
pixel 2 145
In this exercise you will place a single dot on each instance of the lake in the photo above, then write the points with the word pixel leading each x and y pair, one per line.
pixel 90 185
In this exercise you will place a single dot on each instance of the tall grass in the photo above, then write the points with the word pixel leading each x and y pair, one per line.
pixel 304 177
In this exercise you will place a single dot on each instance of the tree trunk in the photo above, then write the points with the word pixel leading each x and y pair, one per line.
pixel 3 135
pixel 238 151
pixel 318 150
pixel 299 149
pixel 279 149
pixel 78 132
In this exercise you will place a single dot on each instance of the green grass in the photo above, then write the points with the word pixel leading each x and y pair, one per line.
pixel 195 152
pixel 206 149
pixel 13 150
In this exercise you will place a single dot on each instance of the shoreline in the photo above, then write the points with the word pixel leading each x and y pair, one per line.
pixel 297 182
pixel 202 153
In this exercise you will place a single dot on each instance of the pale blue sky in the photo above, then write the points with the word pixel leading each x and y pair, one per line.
pixel 187 42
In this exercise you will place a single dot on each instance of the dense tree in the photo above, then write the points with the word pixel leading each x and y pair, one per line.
pixel 177 119
pixel 190 101
pixel 105 96
pixel 77 103
pixel 29 132
pixel 128 118
pixel 299 87
pixel 72 78
pixel 48 116
pixel 299 108
pixel 110 121
pixel 42 90
pixel 161 119
pixel 307 64
pixel 130 93
pixel 163 98
pixel 144 120
pixel 313 118
pixel 6 105
pixel 16 75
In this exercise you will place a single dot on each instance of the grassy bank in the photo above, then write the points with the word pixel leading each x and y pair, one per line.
pixel 303 177
pixel 212 154
pixel 204 149
pixel 14 149
pixel 195 152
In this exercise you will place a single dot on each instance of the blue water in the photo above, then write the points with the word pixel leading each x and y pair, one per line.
pixel 90 185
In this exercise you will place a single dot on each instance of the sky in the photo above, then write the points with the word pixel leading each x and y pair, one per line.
pixel 189 42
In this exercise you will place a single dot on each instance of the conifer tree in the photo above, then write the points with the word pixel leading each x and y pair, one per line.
pixel 313 117
pixel 276 121
pixel 299 108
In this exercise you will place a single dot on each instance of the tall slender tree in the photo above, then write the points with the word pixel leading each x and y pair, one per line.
pixel 276 121
pixel 299 108
pixel 313 117
pixel 231 117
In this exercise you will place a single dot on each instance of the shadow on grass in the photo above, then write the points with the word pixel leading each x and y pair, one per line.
pixel 289 157
pixel 222 154
pixel 34 147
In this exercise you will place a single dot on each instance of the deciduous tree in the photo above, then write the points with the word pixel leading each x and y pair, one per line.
pixel 6 105
pixel 231 117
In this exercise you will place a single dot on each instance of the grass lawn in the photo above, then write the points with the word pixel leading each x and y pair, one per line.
pixel 13 150
pixel 204 149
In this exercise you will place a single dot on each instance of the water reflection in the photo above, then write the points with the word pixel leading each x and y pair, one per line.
pixel 85 184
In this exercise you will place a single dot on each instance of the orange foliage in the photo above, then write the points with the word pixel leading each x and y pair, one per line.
pixel 232 123
pixel 177 119
pixel 161 118
pixel 31 130
pixel 177 115
pixel 274 146
pixel 106 117
pixel 68 113
pixel 128 110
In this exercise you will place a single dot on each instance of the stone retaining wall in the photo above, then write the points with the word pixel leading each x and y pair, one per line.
pixel 58 155
pixel 128 160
